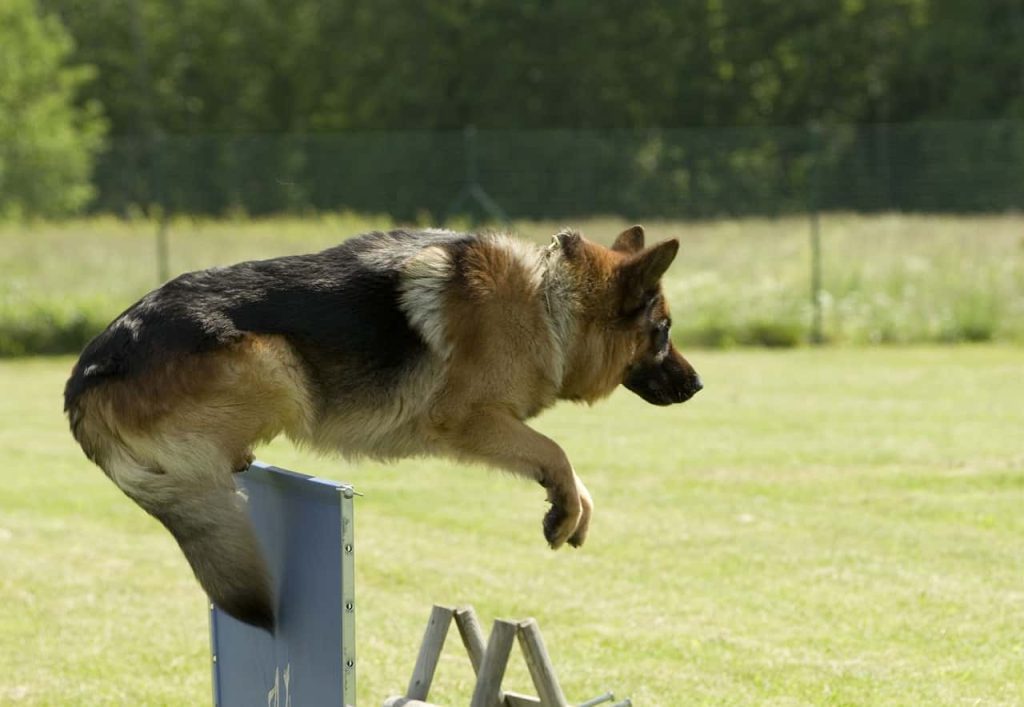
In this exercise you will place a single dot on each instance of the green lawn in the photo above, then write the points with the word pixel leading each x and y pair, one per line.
pixel 817 527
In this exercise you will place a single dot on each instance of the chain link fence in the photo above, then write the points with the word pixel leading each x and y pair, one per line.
pixel 558 174
pixel 501 175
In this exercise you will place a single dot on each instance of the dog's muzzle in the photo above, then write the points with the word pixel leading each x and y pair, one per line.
pixel 671 381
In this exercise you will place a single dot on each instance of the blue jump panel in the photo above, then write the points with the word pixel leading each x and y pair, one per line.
pixel 304 525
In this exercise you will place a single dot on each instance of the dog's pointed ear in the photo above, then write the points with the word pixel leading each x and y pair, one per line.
pixel 641 273
pixel 646 267
pixel 630 241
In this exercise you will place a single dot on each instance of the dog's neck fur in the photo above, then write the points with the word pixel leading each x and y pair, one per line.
pixel 556 288
pixel 585 369
pixel 582 351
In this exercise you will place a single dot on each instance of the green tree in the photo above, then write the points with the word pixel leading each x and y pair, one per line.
pixel 47 143
pixel 966 63
pixel 216 105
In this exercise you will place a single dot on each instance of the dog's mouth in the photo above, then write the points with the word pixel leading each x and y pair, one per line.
pixel 667 383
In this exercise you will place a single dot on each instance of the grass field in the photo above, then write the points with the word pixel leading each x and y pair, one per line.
pixel 887 278
pixel 838 526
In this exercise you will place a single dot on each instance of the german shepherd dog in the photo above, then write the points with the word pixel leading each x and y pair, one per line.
pixel 390 345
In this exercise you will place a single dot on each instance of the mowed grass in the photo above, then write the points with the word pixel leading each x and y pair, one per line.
pixel 887 278
pixel 837 526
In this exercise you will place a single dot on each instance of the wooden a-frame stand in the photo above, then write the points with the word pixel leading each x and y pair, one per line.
pixel 488 663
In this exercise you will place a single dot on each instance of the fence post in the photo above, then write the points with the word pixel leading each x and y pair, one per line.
pixel 817 335
pixel 472 191
pixel 163 270
pixel 163 267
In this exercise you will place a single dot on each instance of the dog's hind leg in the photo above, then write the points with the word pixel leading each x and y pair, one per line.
pixel 503 441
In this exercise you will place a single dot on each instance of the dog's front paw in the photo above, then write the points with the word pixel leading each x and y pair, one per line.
pixel 561 521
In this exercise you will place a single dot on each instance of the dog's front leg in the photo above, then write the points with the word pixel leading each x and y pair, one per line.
pixel 503 441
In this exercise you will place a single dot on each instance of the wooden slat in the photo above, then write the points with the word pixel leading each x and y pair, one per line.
pixel 514 699
pixel 541 670
pixel 492 667
pixel 430 652
pixel 472 635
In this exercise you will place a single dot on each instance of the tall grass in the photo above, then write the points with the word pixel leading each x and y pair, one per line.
pixel 887 278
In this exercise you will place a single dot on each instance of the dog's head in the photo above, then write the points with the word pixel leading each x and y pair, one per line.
pixel 631 337
pixel 658 373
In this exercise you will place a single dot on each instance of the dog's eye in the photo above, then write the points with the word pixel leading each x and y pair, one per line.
pixel 660 338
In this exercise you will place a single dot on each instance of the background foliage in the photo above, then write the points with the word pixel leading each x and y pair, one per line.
pixel 323 65
pixel 47 143
pixel 240 106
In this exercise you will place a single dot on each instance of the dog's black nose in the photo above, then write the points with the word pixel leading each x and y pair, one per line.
pixel 687 390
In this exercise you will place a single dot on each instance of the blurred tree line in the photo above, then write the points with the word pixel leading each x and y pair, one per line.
pixel 47 142
pixel 690 107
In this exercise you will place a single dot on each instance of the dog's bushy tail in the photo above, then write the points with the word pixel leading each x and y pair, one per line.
pixel 214 531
